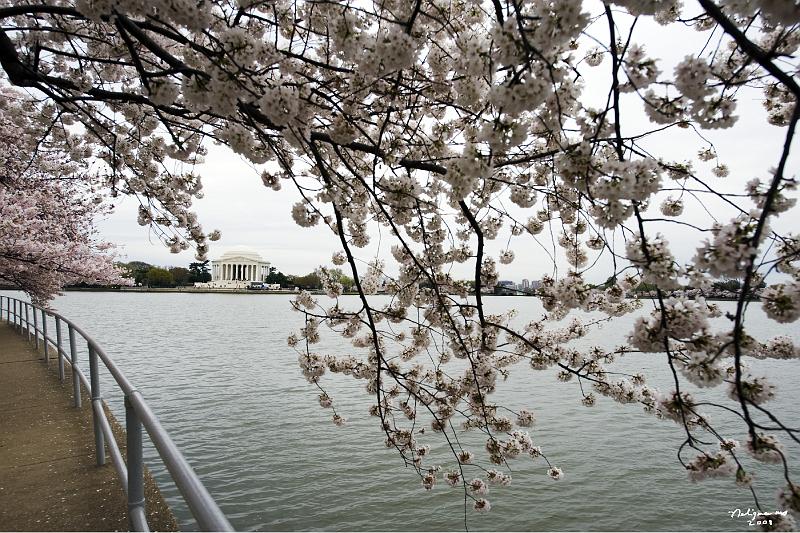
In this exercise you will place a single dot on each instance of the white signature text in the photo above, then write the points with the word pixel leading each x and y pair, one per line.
pixel 755 517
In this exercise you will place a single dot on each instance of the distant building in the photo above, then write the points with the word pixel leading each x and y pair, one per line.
pixel 237 269
pixel 526 284
pixel 505 288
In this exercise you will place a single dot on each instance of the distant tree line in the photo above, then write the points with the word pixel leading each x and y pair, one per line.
pixel 728 284
pixel 147 275
pixel 311 281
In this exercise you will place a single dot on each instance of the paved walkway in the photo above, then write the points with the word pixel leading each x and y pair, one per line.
pixel 48 477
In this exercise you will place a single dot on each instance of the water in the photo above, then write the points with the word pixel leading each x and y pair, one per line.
pixel 217 371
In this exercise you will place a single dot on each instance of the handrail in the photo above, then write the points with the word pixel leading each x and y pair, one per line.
pixel 138 414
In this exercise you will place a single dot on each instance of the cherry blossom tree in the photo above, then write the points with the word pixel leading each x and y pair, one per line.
pixel 446 127
pixel 48 204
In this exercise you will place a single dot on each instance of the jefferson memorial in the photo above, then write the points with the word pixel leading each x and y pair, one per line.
pixel 236 269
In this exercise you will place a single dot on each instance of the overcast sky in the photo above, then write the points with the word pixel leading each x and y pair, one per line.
pixel 249 214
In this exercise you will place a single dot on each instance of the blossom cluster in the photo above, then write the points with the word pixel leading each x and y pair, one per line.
pixel 48 205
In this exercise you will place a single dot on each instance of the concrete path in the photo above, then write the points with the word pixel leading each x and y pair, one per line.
pixel 49 480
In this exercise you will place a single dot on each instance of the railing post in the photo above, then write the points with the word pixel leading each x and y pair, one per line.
pixel 27 322
pixel 35 327
pixel 97 407
pixel 44 337
pixel 60 350
pixel 76 380
pixel 136 505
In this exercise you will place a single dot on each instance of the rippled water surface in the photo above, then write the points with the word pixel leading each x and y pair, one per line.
pixel 217 371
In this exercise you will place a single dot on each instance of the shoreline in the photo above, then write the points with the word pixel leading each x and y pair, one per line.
pixel 193 290
pixel 177 289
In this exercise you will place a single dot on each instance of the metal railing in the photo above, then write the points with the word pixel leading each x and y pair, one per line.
pixel 208 515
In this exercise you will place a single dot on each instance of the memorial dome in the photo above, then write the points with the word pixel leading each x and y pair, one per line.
pixel 241 252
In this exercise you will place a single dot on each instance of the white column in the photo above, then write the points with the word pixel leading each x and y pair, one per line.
pixel 251 273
